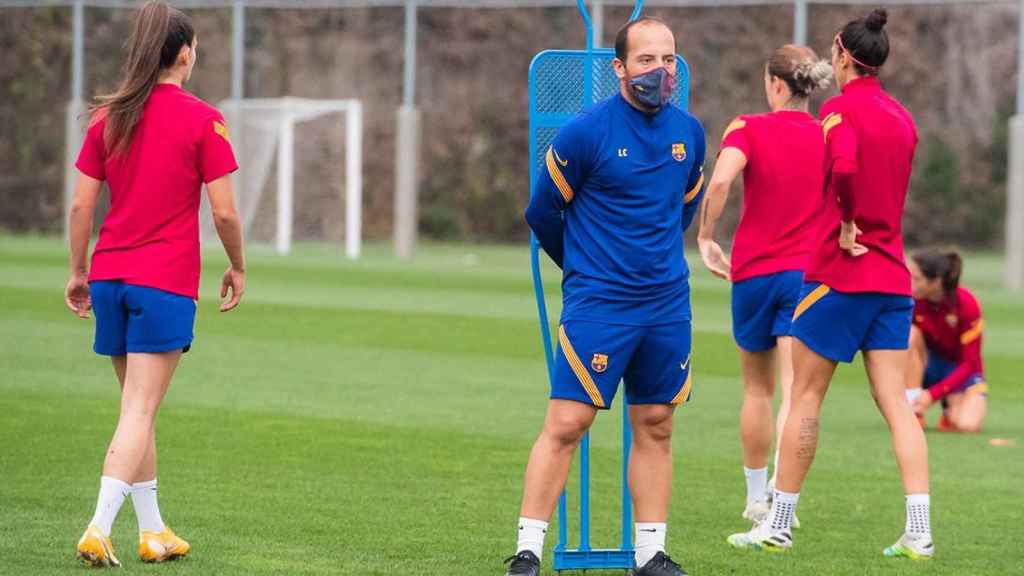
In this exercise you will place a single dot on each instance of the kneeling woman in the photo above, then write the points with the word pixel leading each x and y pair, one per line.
pixel 945 344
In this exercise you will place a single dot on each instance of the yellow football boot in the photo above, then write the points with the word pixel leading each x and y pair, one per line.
pixel 162 546
pixel 96 550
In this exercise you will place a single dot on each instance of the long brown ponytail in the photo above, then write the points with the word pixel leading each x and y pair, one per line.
pixel 159 34
pixel 947 265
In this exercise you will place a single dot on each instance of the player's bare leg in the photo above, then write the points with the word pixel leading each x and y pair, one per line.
pixel 546 473
pixel 811 377
pixel 650 485
pixel 144 379
pixel 548 468
pixel 147 377
pixel 147 469
pixel 756 427
pixel 967 410
pixel 784 359
pixel 650 461
pixel 886 370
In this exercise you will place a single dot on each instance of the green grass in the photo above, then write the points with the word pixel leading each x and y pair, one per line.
pixel 375 418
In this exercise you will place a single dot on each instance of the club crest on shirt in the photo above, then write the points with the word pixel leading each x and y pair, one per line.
pixel 679 151
pixel 221 130
pixel 599 363
pixel 951 319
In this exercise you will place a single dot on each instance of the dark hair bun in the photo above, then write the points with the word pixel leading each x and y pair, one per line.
pixel 876 20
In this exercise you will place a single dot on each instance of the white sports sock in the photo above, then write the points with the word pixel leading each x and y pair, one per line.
pixel 112 495
pixel 912 394
pixel 650 539
pixel 783 508
pixel 531 536
pixel 147 510
pixel 919 522
pixel 775 471
pixel 757 484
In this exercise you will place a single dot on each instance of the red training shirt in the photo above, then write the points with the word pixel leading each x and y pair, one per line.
pixel 870 137
pixel 782 191
pixel 150 237
pixel 952 329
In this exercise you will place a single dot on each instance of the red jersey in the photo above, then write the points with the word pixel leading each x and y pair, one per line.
pixel 872 138
pixel 150 237
pixel 952 329
pixel 782 191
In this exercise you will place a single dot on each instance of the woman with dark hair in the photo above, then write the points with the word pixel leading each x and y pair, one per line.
pixel 856 295
pixel 780 155
pixel 945 344
pixel 155 145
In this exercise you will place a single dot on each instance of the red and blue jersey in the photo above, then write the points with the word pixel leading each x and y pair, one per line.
pixel 870 138
pixel 150 237
pixel 617 190
pixel 782 191
pixel 953 330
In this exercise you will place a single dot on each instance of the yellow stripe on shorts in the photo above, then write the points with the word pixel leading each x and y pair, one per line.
pixel 579 369
pixel 809 300
pixel 684 393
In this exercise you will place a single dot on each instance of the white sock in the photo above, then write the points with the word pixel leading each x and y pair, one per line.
pixel 757 484
pixel 650 539
pixel 919 522
pixel 912 394
pixel 783 508
pixel 147 510
pixel 775 471
pixel 531 536
pixel 112 495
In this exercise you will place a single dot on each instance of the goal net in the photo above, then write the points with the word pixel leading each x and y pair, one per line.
pixel 272 161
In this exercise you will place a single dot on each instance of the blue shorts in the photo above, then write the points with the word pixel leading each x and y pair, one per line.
pixel 762 309
pixel 939 368
pixel 140 319
pixel 836 324
pixel 592 357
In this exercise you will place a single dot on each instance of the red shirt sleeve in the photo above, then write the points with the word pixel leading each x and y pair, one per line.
pixel 735 136
pixel 969 362
pixel 216 158
pixel 840 143
pixel 841 157
pixel 92 156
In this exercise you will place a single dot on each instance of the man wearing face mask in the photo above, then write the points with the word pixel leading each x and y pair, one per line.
pixel 621 184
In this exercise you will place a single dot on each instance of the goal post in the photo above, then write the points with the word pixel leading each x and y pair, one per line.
pixel 259 126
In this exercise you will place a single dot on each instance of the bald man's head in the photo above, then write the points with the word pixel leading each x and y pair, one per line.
pixel 648 24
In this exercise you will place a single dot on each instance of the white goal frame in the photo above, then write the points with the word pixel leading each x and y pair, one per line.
pixel 292 111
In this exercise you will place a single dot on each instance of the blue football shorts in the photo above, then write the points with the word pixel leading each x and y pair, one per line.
pixel 139 319
pixel 653 361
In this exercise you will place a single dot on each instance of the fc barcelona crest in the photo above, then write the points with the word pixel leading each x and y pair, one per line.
pixel 599 363
pixel 679 151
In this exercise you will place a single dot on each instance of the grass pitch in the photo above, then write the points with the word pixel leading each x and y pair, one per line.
pixel 375 418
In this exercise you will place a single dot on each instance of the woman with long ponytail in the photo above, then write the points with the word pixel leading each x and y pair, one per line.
pixel 780 155
pixel 945 344
pixel 155 145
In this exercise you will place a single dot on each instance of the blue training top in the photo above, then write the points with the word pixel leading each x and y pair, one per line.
pixel 618 189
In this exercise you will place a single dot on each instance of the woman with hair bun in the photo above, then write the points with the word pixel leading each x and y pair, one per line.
pixel 155 145
pixel 856 295
pixel 780 155
pixel 945 344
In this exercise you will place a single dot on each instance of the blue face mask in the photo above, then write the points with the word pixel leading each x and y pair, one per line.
pixel 653 89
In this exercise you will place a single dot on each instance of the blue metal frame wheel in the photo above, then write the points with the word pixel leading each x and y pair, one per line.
pixel 561 84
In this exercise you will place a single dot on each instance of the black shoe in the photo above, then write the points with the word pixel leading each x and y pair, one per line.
pixel 660 565
pixel 525 563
